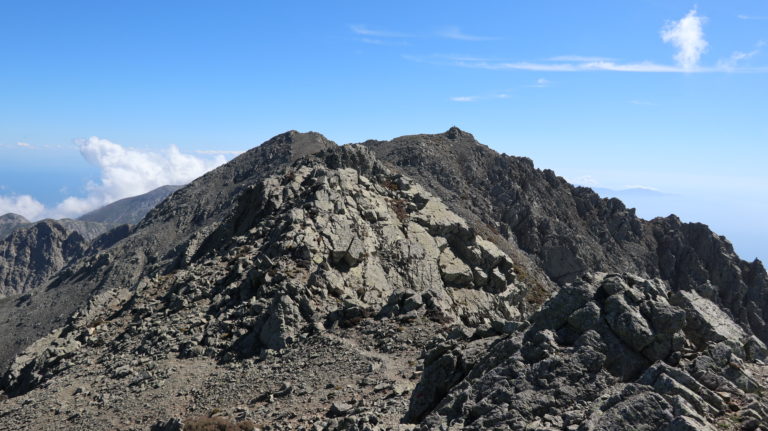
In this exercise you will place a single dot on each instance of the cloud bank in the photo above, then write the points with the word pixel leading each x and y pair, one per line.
pixel 124 172
pixel 24 205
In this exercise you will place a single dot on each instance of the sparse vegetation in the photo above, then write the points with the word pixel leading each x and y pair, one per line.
pixel 399 207
pixel 390 185
pixel 537 294
pixel 217 424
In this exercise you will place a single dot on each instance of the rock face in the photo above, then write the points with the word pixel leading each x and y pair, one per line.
pixel 569 231
pixel 89 230
pixel 426 282
pixel 129 210
pixel 9 222
pixel 614 352
pixel 30 255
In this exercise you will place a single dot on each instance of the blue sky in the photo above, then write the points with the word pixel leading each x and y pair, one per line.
pixel 668 95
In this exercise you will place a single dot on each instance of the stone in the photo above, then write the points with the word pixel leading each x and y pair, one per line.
pixel 453 270
pixel 339 409
pixel 589 363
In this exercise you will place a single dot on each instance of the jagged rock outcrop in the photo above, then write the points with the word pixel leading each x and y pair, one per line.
pixel 613 352
pixel 694 258
pixel 10 222
pixel 30 255
pixel 569 231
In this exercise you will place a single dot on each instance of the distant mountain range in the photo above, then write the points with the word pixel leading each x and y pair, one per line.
pixel 9 222
pixel 125 211
pixel 629 192
pixel 129 210
pixel 32 252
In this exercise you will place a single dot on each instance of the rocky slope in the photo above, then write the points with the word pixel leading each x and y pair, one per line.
pixel 30 255
pixel 89 230
pixel 611 352
pixel 163 240
pixel 129 210
pixel 390 285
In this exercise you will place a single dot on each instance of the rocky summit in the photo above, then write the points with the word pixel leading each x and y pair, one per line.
pixel 426 282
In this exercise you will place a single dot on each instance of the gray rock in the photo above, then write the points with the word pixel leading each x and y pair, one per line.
pixel 31 255
pixel 590 353
pixel 339 409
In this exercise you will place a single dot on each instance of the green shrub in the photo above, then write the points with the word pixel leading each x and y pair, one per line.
pixel 217 424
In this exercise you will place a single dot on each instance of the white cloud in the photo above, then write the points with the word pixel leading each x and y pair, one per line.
pixel 453 57
pixel 579 58
pixel 365 31
pixel 732 62
pixel 457 34
pixel 738 55
pixel 129 172
pixel 541 83
pixel 24 205
pixel 215 152
pixel 476 98
pixel 578 67
pixel 384 42
pixel 24 145
pixel 687 35
pixel 752 17
pixel 464 98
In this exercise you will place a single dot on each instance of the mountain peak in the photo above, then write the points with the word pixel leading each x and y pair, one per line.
pixel 299 144
pixel 456 133
pixel 10 222
pixel 13 217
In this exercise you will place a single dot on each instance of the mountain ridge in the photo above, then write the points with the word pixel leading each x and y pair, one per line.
pixel 437 263
pixel 129 210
